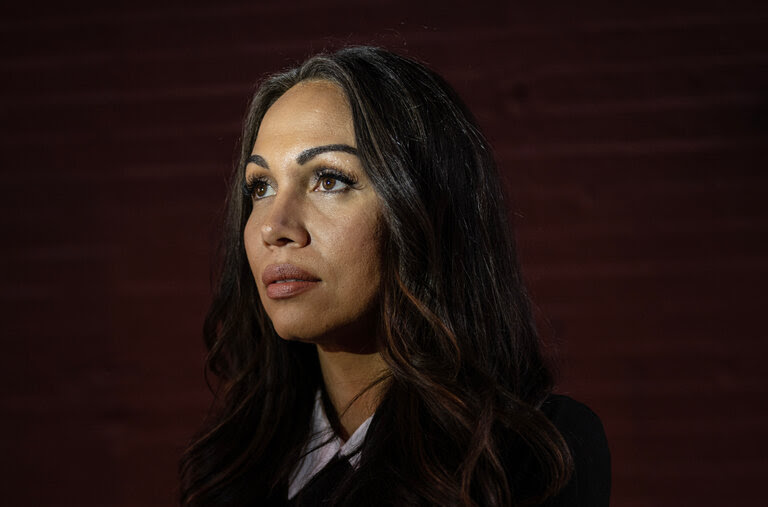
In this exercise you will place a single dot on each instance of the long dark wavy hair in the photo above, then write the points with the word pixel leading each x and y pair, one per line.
pixel 458 422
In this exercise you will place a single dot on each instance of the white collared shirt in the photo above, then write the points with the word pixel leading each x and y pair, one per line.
pixel 323 446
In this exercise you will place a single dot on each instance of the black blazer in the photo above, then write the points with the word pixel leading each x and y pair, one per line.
pixel 589 486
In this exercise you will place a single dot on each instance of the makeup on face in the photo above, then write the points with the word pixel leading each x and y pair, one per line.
pixel 313 237
pixel 286 280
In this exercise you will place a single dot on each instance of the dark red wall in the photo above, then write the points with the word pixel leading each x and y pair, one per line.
pixel 633 139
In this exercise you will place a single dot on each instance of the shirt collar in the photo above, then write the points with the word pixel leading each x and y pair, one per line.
pixel 323 446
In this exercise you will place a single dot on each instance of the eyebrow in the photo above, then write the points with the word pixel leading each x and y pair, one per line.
pixel 306 155
pixel 258 160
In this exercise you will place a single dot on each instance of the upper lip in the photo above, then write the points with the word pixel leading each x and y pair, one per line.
pixel 276 272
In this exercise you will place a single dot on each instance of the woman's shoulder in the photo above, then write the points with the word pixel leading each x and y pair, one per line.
pixel 583 432
pixel 571 416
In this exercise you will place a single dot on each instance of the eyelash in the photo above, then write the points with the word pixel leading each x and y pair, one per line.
pixel 327 172
pixel 251 182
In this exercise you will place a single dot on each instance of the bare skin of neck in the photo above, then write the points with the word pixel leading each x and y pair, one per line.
pixel 346 375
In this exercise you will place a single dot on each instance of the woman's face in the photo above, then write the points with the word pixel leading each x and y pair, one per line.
pixel 313 239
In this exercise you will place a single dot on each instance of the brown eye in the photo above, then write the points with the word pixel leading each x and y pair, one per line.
pixel 328 183
pixel 257 188
pixel 333 181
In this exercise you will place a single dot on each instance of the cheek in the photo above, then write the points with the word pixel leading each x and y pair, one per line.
pixel 251 241
pixel 357 253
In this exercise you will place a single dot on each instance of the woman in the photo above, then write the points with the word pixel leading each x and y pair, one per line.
pixel 371 332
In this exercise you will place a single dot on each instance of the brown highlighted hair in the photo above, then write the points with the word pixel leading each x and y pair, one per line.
pixel 458 422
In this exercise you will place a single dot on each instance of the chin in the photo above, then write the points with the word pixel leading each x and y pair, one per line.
pixel 356 337
pixel 292 336
pixel 299 333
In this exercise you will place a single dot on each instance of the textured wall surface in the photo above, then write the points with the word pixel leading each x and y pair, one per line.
pixel 632 138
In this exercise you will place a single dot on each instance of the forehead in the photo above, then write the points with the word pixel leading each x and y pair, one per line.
pixel 311 110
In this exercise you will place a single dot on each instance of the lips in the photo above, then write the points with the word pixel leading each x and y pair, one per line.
pixel 286 280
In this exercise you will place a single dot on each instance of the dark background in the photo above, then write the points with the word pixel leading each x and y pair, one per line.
pixel 632 137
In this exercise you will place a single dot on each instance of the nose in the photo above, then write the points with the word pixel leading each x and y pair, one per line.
pixel 284 224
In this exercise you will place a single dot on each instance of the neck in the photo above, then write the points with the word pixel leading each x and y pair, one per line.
pixel 348 377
